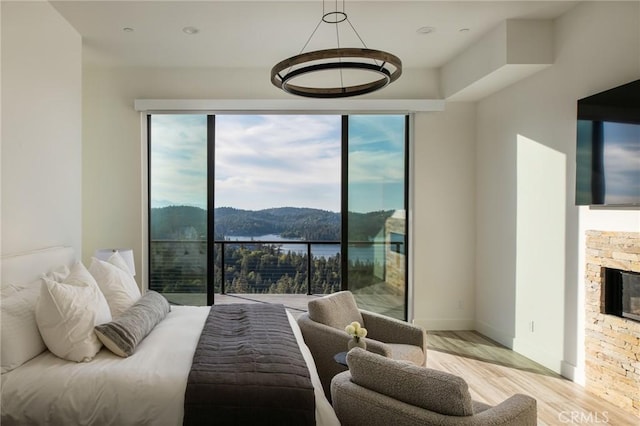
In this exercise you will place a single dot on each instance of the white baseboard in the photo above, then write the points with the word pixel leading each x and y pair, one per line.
pixel 538 354
pixel 495 334
pixel 572 373
pixel 562 367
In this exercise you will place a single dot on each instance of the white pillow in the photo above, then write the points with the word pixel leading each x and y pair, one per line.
pixel 60 273
pixel 116 259
pixel 21 339
pixel 67 312
pixel 8 290
pixel 116 282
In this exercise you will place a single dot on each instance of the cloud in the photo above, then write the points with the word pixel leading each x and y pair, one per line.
pixel 264 161
pixel 278 160
pixel 376 149
pixel 179 159
pixel 622 163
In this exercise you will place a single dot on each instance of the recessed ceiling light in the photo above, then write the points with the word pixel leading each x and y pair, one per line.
pixel 425 30
pixel 190 30
pixel 128 29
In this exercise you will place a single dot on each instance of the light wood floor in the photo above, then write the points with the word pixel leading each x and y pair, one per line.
pixel 494 372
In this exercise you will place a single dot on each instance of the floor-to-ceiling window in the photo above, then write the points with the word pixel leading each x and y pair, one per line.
pixel 278 204
pixel 178 201
pixel 376 202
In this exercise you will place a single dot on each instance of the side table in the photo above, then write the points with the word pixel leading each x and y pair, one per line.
pixel 341 358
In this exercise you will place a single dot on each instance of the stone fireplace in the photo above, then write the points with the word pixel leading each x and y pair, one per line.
pixel 612 343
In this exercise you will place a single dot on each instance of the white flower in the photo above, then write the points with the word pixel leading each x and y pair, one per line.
pixel 356 330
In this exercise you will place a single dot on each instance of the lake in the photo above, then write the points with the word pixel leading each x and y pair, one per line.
pixel 364 254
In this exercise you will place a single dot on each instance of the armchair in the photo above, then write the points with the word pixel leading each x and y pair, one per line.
pixel 378 391
pixel 323 331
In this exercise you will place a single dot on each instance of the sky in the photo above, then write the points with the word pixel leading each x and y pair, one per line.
pixel 621 161
pixel 264 161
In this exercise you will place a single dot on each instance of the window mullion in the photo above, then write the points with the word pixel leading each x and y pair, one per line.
pixel 211 156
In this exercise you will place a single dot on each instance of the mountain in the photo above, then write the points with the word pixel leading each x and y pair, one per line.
pixel 185 222
pixel 178 223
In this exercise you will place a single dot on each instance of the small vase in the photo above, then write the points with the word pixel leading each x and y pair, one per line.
pixel 357 342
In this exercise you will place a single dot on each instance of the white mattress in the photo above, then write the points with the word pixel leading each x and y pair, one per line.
pixel 146 388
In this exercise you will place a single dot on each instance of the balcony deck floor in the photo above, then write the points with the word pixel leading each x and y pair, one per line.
pixel 295 303
pixel 374 298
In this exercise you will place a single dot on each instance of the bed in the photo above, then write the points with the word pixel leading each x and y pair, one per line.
pixel 146 388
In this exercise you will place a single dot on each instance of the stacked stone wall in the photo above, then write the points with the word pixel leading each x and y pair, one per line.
pixel 612 343
pixel 395 261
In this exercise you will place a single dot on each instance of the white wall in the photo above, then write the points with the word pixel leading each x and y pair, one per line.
pixel 41 129
pixel 443 222
pixel 530 244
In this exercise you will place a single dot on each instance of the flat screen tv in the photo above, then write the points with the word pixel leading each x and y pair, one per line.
pixel 608 147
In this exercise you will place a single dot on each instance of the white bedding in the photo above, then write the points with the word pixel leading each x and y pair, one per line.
pixel 146 388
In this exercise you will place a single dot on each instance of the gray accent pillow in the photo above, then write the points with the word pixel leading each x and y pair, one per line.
pixel 123 334
pixel 336 310
pixel 423 387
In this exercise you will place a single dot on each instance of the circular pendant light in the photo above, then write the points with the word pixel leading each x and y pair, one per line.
pixel 369 69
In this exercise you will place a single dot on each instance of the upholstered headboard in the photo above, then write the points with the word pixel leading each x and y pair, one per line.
pixel 24 268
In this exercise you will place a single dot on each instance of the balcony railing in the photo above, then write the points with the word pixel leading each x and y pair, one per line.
pixel 250 266
pixel 273 266
pixel 287 265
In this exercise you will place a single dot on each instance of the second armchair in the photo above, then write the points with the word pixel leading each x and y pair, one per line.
pixel 323 330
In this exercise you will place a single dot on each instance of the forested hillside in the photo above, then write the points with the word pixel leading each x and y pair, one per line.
pixel 189 223
pixel 179 250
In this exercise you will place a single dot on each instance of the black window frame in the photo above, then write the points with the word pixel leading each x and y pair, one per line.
pixel 344 183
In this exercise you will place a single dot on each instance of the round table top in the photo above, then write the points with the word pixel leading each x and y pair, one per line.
pixel 341 358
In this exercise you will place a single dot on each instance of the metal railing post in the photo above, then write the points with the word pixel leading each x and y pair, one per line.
pixel 222 274
pixel 308 269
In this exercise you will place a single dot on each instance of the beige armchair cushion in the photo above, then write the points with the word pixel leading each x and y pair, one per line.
pixel 430 389
pixel 411 353
pixel 336 310
pixel 323 330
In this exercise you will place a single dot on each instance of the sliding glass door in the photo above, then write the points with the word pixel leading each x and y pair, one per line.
pixel 376 206
pixel 178 207
pixel 277 203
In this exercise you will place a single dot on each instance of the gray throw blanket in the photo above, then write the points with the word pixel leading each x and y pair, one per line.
pixel 248 370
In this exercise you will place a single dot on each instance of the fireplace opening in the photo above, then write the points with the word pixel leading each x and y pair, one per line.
pixel 622 293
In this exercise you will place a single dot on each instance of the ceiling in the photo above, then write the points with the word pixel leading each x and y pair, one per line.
pixel 257 34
